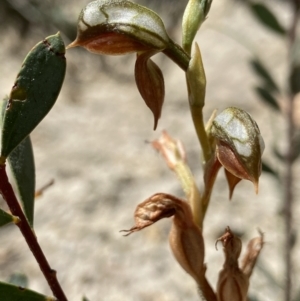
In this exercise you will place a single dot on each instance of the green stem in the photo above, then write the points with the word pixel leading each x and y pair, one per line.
pixel 190 188
pixel 178 55
pixel 197 117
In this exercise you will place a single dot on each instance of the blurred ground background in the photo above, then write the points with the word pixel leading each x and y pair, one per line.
pixel 93 144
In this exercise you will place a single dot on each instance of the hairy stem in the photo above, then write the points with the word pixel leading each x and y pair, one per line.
pixel 29 235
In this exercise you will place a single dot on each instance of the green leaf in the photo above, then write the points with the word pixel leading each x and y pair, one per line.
pixel 264 74
pixel 10 292
pixel 267 168
pixel 296 146
pixel 5 218
pixel 85 299
pixel 18 279
pixel 294 79
pixel 21 162
pixel 267 18
pixel 35 91
pixel 267 97
pixel 194 15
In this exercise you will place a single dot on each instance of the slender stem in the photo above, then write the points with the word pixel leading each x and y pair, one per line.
pixel 178 55
pixel 289 177
pixel 29 235
pixel 197 116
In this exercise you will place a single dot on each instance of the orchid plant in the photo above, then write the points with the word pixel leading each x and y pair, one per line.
pixel 230 140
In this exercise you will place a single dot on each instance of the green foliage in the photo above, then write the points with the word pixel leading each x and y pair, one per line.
pixel 21 162
pixel 9 292
pixel 34 92
pixel 261 71
pixel 294 80
pixel 5 218
pixel 267 18
pixel 267 168
pixel 232 139
pixel 266 96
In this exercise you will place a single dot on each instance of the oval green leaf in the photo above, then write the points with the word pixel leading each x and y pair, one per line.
pixel 35 91
pixel 9 292
pixel 294 79
pixel 21 162
pixel 264 74
pixel 268 169
pixel 267 18
pixel 267 97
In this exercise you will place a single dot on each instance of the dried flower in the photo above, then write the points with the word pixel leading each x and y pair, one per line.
pixel 232 284
pixel 233 281
pixel 185 238
pixel 174 154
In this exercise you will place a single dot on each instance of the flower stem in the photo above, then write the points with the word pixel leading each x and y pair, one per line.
pixel 197 116
pixel 178 55
pixel 29 235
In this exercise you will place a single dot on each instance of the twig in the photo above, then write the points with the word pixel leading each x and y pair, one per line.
pixel 29 235
pixel 289 177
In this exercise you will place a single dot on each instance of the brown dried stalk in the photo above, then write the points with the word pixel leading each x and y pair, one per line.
pixel 29 235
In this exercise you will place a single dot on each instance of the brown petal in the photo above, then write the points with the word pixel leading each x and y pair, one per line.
pixel 211 170
pixel 232 181
pixel 188 248
pixel 232 284
pixel 230 161
pixel 254 247
pixel 172 150
pixel 109 44
pixel 159 206
pixel 186 239
pixel 150 82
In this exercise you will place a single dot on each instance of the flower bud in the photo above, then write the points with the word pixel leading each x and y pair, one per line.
pixel 118 27
pixel 196 79
pixel 194 15
pixel 239 145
